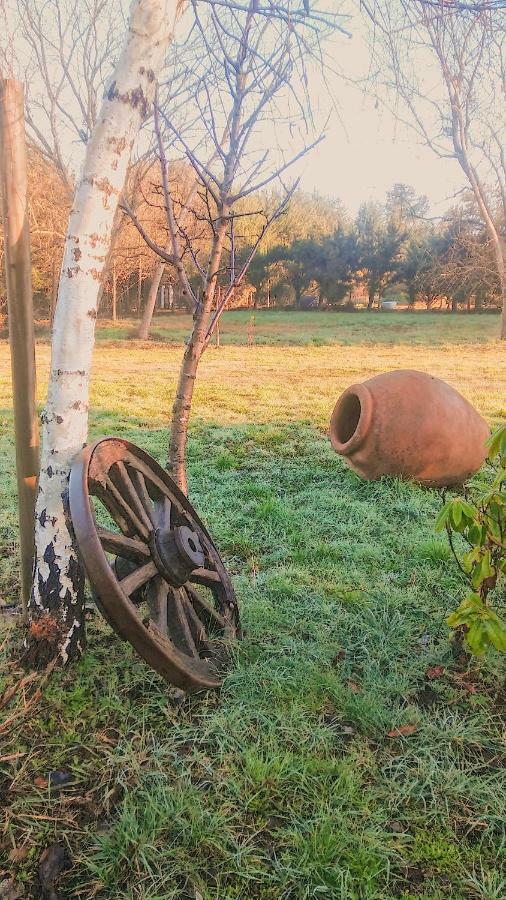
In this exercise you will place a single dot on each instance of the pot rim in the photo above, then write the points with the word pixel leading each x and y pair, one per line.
pixel 362 392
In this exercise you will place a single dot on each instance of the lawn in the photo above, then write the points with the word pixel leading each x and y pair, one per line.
pixel 286 784
pixel 277 326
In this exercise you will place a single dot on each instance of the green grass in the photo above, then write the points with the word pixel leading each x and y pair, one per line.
pixel 286 783
pixel 314 328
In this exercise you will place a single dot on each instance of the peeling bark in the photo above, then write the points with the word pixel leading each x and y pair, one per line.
pixel 56 606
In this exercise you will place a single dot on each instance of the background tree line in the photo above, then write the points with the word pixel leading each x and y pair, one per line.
pixel 388 250
pixel 316 254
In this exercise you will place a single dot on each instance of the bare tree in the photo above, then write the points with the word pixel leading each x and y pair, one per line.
pixel 248 101
pixel 447 64
pixel 65 53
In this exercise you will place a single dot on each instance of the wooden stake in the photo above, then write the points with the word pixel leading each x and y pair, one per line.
pixel 18 276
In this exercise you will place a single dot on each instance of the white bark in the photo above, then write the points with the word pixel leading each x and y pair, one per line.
pixel 57 588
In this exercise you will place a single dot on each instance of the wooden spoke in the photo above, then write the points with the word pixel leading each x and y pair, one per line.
pixel 178 628
pixel 130 493
pixel 205 610
pixel 206 577
pixel 157 602
pixel 196 626
pixel 136 524
pixel 113 510
pixel 139 483
pixel 164 513
pixel 138 578
pixel 123 546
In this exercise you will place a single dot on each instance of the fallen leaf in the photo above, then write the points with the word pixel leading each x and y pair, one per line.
pixel 462 682
pixel 40 782
pixel 435 672
pixel 18 854
pixel 353 686
pixel 402 731
pixel 104 738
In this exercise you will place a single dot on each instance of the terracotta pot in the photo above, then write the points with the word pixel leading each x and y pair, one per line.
pixel 408 424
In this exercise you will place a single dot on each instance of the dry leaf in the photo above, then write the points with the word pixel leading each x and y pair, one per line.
pixel 353 686
pixel 18 854
pixel 105 739
pixel 402 731
pixel 40 782
pixel 435 672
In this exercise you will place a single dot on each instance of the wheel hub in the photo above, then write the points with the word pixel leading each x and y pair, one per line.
pixel 177 552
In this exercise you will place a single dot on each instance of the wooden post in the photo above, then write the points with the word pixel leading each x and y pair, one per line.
pixel 18 276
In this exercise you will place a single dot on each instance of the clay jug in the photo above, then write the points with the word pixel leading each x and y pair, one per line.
pixel 408 424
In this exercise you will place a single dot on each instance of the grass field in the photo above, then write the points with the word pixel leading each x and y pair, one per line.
pixel 317 328
pixel 287 784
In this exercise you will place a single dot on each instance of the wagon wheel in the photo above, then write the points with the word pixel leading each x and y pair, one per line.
pixel 158 578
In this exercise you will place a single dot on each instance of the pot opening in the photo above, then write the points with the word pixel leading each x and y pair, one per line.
pixel 348 418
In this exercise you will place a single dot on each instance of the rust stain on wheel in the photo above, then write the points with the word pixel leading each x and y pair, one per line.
pixel 156 573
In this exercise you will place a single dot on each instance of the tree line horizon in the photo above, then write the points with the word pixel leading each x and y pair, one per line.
pixel 316 255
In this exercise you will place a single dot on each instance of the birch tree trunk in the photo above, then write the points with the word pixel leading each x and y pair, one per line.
pixel 56 604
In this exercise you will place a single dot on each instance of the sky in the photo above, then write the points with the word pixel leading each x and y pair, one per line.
pixel 366 150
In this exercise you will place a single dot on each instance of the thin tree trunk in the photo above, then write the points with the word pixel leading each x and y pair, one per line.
pixel 503 310
pixel 56 603
pixel 149 308
pixel 188 372
pixel 139 286
pixel 114 293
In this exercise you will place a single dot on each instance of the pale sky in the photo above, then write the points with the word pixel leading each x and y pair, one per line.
pixel 366 152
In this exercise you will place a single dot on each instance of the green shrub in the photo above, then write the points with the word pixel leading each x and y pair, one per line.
pixel 480 518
